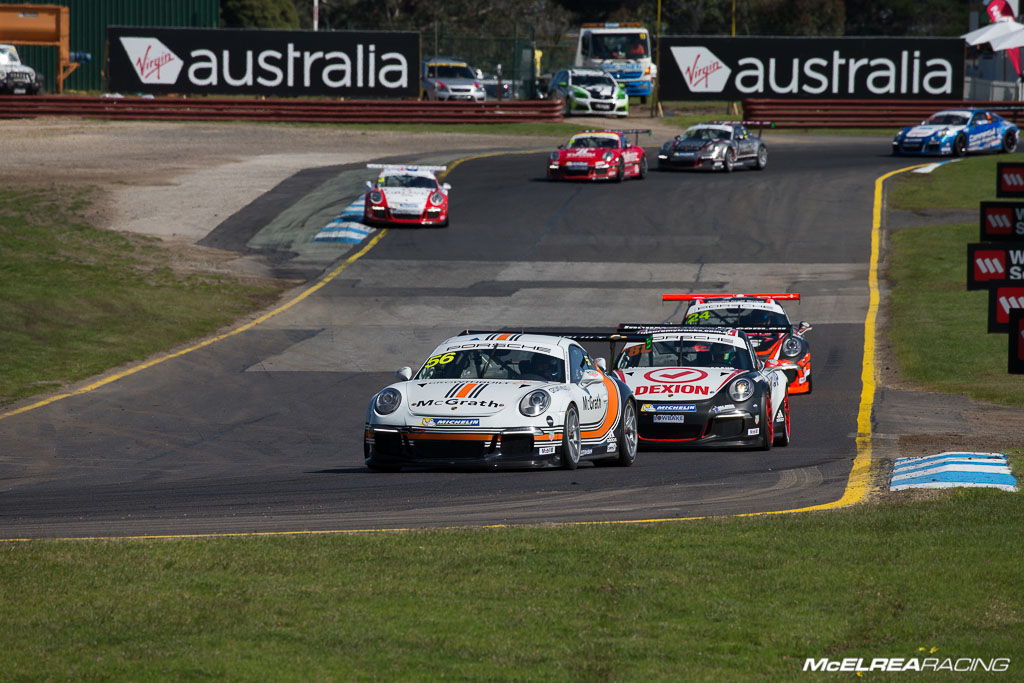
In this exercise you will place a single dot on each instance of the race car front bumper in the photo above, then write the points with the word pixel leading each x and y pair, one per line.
pixel 587 171
pixel 511 448
pixel 701 426
pixel 670 162
pixel 380 215
pixel 922 146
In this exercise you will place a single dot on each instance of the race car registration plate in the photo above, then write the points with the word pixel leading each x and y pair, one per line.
pixel 670 418
pixel 602 107
pixel 577 164
pixel 683 155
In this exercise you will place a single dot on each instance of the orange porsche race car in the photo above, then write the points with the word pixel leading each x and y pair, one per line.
pixel 775 339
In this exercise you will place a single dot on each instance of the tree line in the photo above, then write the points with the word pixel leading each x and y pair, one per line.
pixel 551 19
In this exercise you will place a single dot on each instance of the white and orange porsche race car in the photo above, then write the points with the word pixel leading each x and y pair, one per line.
pixel 764 321
pixel 406 195
pixel 502 400
pixel 599 155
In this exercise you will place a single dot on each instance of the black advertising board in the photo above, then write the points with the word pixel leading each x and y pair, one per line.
pixel 733 68
pixel 1016 359
pixel 1010 180
pixel 1001 221
pixel 1001 302
pixel 358 64
pixel 991 264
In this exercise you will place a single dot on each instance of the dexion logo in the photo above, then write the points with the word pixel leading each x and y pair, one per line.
pixel 264 62
pixel 153 61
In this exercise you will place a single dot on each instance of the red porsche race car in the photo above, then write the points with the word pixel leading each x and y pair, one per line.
pixel 599 155
pixel 406 195
pixel 775 339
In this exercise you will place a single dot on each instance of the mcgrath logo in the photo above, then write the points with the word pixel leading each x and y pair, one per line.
pixel 989 265
pixel 701 69
pixel 154 63
pixel 675 375
pixel 450 422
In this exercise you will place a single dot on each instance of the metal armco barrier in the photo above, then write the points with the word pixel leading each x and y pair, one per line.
pixel 304 111
pixel 836 113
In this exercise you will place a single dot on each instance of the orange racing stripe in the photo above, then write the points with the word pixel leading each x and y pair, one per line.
pixel 610 418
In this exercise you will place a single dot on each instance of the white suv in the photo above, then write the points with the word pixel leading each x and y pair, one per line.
pixel 15 77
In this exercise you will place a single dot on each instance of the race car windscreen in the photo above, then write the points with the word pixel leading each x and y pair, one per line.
pixel 706 134
pixel 588 80
pixel 946 120
pixel 592 142
pixel 684 353
pixel 493 363
pixel 417 181
pixel 736 317
pixel 449 71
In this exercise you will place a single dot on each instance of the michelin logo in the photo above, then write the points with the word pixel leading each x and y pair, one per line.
pixel 450 422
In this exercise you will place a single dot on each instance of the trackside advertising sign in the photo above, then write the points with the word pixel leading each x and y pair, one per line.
pixel 1010 180
pixel 991 265
pixel 1001 221
pixel 1001 302
pixel 369 64
pixel 699 67
pixel 1016 360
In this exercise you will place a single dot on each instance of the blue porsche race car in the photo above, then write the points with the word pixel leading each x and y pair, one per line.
pixel 955 132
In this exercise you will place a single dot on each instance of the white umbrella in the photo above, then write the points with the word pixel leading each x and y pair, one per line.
pixel 993 32
pixel 1009 40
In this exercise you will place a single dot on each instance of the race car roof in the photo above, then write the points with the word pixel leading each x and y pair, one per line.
pixel 961 112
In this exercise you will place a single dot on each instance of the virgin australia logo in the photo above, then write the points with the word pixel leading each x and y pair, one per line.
pixel 154 63
pixel 702 70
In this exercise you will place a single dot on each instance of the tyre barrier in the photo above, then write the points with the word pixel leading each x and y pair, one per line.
pixel 837 113
pixel 298 111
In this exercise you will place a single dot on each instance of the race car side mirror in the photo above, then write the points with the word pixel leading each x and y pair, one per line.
pixel 804 326
pixel 601 363
pixel 563 84
pixel 446 187
pixel 590 377
pixel 561 147
pixel 369 184
pixel 404 373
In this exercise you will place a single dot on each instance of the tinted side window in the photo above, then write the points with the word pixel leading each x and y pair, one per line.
pixel 578 362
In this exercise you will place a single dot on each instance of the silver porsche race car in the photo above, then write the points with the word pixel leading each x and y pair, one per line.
pixel 716 146
pixel 502 399
pixel 704 387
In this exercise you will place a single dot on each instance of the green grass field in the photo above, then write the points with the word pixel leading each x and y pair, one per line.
pixel 732 599
pixel 76 301
pixel 938 328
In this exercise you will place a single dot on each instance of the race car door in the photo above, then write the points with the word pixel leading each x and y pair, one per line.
pixel 593 396
pixel 983 132
pixel 746 145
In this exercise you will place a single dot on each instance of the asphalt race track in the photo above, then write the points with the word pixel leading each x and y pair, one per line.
pixel 262 431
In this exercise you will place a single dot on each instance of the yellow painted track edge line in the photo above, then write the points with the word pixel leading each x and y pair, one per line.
pixel 857 484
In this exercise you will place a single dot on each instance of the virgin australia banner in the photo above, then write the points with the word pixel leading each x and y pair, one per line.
pixel 256 62
pixel 703 68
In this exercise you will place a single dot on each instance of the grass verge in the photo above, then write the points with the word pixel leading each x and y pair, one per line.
pixel 730 599
pixel 937 327
pixel 76 301
pixel 960 185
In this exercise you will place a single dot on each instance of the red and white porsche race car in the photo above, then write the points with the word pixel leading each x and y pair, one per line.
pixel 776 340
pixel 599 155
pixel 406 195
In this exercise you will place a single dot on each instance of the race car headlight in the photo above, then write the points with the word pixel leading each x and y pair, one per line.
pixel 535 403
pixel 944 132
pixel 607 156
pixel 437 199
pixel 741 390
pixel 792 347
pixel 376 197
pixel 553 156
pixel 387 401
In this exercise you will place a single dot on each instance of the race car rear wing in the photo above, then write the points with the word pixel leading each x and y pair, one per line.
pixel 571 334
pixel 408 167
pixel 700 298
pixel 654 328
pixel 760 125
